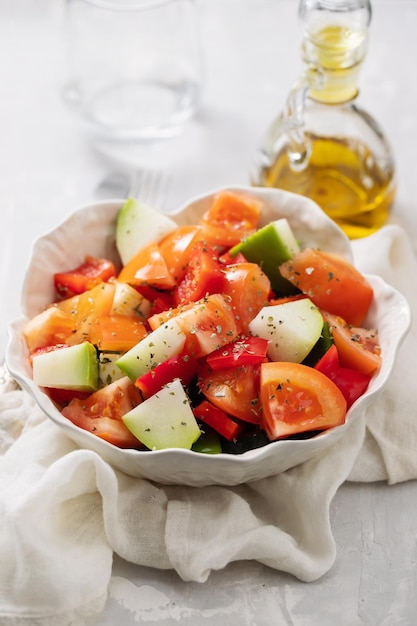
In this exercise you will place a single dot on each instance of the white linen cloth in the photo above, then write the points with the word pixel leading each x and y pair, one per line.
pixel 65 511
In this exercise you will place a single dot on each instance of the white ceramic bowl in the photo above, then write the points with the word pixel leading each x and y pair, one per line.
pixel 91 230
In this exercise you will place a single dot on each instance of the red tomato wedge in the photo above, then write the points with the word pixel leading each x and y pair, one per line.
pixel 218 420
pixel 248 289
pixel 101 413
pixel 84 277
pixel 231 217
pixel 296 398
pixel 203 275
pixel 148 267
pixel 351 383
pixel 243 351
pixel 209 324
pixel 235 390
pixel 331 282
pixel 117 333
pixel 358 348
pixel 176 247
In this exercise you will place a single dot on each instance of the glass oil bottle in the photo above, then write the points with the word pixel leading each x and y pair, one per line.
pixel 323 145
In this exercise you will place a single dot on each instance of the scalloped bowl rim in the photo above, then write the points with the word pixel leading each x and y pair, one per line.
pixel 179 466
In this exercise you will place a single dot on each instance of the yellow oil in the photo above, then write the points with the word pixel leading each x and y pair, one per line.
pixel 337 46
pixel 338 51
pixel 343 178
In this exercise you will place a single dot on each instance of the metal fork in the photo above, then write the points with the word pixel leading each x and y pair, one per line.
pixel 150 186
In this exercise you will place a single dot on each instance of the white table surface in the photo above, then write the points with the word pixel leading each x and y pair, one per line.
pixel 49 167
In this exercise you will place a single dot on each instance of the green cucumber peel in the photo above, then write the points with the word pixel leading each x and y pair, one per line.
pixel 270 246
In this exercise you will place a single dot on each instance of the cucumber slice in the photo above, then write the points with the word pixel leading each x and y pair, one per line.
pixel 128 301
pixel 108 372
pixel 139 225
pixel 165 420
pixel 162 343
pixel 75 367
pixel 292 329
pixel 324 343
pixel 270 246
pixel 208 443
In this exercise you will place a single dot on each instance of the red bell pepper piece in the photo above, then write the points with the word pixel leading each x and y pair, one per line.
pixel 351 383
pixel 203 275
pixel 64 396
pixel 84 277
pixel 218 420
pixel 243 351
pixel 181 366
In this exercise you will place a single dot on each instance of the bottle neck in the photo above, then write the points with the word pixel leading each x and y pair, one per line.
pixel 333 57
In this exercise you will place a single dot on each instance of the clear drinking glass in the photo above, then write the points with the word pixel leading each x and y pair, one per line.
pixel 134 66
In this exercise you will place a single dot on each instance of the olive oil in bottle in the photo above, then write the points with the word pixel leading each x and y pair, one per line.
pixel 324 145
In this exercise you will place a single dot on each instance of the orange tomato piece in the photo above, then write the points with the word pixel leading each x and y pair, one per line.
pixel 49 328
pixel 161 317
pixel 296 398
pixel 331 282
pixel 148 267
pixel 248 288
pixel 85 309
pixel 231 217
pixel 176 248
pixel 117 333
pixel 101 413
pixel 358 348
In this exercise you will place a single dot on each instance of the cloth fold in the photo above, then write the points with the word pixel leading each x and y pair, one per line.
pixel 389 450
pixel 64 511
